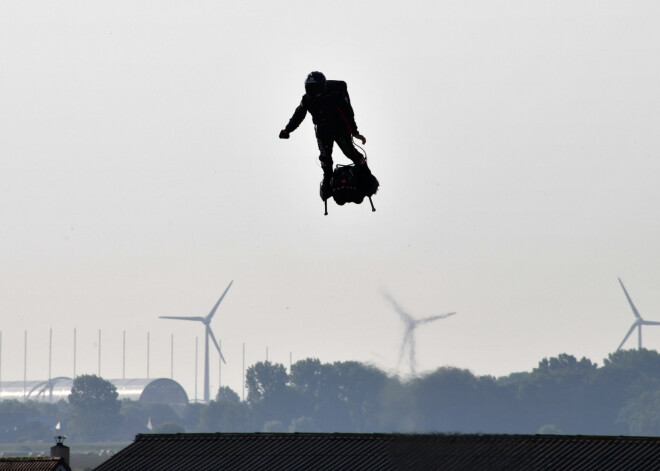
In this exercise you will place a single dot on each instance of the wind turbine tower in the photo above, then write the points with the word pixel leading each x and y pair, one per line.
pixel 209 333
pixel 410 325
pixel 639 321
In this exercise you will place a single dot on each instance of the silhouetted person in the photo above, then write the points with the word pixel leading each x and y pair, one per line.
pixel 334 121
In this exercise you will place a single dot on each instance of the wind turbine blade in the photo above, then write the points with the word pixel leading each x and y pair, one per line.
pixel 435 318
pixel 649 322
pixel 200 319
pixel 403 314
pixel 210 316
pixel 215 342
pixel 632 305
pixel 630 331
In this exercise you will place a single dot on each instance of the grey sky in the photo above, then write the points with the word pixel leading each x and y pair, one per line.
pixel 515 141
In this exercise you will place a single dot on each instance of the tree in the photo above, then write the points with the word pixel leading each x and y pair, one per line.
pixel 557 392
pixel 160 413
pixel 563 363
pixel 646 361
pixel 95 408
pixel 617 391
pixel 343 396
pixel 269 396
pixel 226 416
pixel 313 381
pixel 396 410
pixel 134 420
pixel 445 400
pixel 642 414
pixel 309 376
pixel 227 394
pixel 25 421
pixel 359 387
pixel 265 379
pixel 191 416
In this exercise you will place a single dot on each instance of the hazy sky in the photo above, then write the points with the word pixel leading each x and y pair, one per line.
pixel 516 143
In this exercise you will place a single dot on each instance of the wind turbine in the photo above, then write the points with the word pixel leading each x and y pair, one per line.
pixel 639 322
pixel 410 325
pixel 209 333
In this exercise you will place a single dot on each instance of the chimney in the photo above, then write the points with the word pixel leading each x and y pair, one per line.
pixel 60 450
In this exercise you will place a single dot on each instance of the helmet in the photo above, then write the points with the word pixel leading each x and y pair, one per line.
pixel 315 84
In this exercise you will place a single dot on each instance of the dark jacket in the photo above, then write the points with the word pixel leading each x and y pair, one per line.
pixel 331 110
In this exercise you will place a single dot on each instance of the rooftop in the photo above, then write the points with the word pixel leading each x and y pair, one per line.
pixel 332 451
pixel 33 464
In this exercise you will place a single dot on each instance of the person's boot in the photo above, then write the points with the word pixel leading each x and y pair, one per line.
pixel 326 184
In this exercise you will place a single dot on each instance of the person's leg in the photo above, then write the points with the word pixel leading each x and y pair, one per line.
pixel 368 183
pixel 345 143
pixel 325 143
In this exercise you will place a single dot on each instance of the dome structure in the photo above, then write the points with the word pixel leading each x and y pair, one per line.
pixel 146 390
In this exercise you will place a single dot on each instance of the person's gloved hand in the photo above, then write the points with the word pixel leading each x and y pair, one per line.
pixel 284 134
pixel 361 138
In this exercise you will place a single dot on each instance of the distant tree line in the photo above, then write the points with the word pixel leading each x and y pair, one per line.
pixel 561 395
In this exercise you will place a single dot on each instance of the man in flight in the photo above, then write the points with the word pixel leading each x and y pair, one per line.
pixel 334 121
